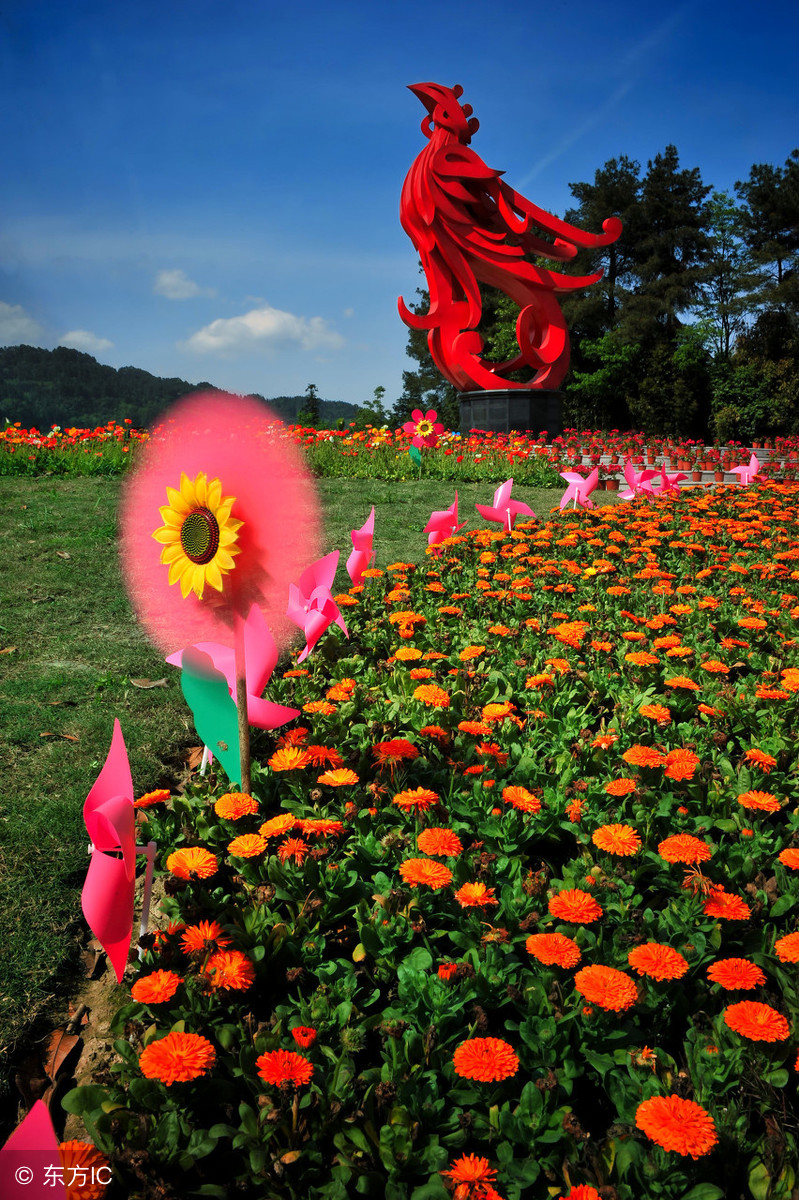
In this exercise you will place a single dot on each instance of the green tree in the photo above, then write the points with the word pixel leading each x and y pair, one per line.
pixel 729 278
pixel 310 412
pixel 770 199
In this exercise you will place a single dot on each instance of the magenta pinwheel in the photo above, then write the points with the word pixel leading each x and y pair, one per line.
pixel 260 658
pixel 107 898
pixel 748 472
pixel 638 482
pixel 504 510
pixel 425 427
pixel 362 552
pixel 311 603
pixel 668 483
pixel 580 488
pixel 443 524
pixel 31 1155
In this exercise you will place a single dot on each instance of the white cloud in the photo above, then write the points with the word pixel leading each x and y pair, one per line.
pixel 82 339
pixel 16 327
pixel 264 328
pixel 176 285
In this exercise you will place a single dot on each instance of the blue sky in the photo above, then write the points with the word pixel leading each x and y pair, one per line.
pixel 210 189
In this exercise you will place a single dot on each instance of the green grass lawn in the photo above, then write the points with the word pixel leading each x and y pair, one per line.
pixel 72 659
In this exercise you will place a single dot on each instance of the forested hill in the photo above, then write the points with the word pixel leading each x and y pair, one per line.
pixel 65 387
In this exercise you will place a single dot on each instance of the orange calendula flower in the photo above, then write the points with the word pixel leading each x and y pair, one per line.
pixel 760 759
pixel 230 970
pixel 756 1021
pixel 475 895
pixel 284 1066
pixel 681 764
pixel 85 1171
pixel 621 787
pixel 431 695
pixel 407 654
pixel 320 826
pixel 789 858
pixel 156 988
pixel 434 731
pixel 425 872
pixel 477 728
pixel 553 949
pixel 575 906
pixel 416 800
pixel 682 681
pixel 205 936
pixel 485 1059
pixel 751 623
pixel 289 758
pixel 787 948
pixel 617 839
pixel 726 906
pixel 440 841
pixel 249 845
pixel 497 712
pixel 150 798
pixel 520 798
pixel 656 712
pixel 604 741
pixel 684 848
pixel 760 801
pixel 294 848
pixel 470 652
pixel 736 974
pixel 234 805
pixel 677 1124
pixel 277 825
pixel 471 1173
pixel 340 777
pixel 177 1058
pixel 391 754
pixel 583 1191
pixel 605 986
pixel 192 862
pixel 642 658
pixel 323 707
pixel 304 1036
pixel 324 756
pixel 657 961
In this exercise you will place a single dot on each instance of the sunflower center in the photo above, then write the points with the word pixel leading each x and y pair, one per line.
pixel 199 536
pixel 423 428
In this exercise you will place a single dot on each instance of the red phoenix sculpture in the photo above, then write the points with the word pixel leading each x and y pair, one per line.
pixel 470 227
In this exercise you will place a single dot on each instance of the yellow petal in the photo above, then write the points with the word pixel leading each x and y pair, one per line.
pixel 170 517
pixel 187 489
pixel 170 553
pixel 166 535
pixel 186 582
pixel 198 582
pixel 224 559
pixel 176 571
pixel 214 495
pixel 176 501
pixel 213 575
pixel 201 489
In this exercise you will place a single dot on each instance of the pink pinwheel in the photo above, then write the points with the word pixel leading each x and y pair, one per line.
pixel 442 525
pixel 311 604
pixel 748 472
pixel 425 428
pixel 31 1155
pixel 580 488
pixel 668 483
pixel 638 483
pixel 362 552
pixel 107 898
pixel 260 658
pixel 504 510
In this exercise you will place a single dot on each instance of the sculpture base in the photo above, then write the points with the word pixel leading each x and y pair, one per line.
pixel 524 409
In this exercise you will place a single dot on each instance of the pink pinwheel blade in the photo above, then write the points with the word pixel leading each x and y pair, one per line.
pixel 362 552
pixel 107 896
pixel 26 1157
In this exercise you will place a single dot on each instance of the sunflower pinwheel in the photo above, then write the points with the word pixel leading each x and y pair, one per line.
pixel 198 535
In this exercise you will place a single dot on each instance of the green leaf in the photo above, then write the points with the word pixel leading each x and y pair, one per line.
pixel 783 905
pixel 759 1179
pixel 705 1191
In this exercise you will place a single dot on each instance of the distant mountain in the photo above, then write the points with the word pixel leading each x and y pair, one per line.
pixel 43 388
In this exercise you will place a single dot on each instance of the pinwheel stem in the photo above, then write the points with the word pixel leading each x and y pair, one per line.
pixel 241 701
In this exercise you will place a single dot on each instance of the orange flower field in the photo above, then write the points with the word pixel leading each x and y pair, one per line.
pixel 512 909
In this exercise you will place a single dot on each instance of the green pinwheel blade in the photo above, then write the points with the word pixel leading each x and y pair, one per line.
pixel 215 716
pixel 416 455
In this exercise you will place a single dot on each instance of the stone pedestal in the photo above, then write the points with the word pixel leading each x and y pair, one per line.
pixel 525 409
